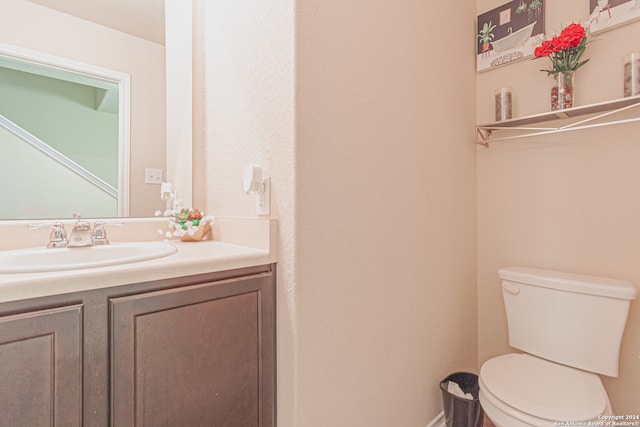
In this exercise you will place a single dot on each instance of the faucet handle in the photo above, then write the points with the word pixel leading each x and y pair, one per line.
pixel 99 235
pixel 81 224
pixel 58 236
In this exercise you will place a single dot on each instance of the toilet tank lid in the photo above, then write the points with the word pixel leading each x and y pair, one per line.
pixel 570 282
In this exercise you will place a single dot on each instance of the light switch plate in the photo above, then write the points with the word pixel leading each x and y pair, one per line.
pixel 153 176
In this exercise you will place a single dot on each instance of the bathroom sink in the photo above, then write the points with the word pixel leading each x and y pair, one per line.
pixel 38 260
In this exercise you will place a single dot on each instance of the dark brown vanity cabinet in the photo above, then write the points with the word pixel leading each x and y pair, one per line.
pixel 41 368
pixel 195 356
pixel 191 351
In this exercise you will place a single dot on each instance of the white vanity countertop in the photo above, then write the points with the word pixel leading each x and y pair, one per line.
pixel 191 258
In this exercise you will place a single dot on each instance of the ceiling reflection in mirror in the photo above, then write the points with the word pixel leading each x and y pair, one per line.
pixel 78 125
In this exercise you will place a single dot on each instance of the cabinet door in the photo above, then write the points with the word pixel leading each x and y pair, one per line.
pixel 41 368
pixel 201 355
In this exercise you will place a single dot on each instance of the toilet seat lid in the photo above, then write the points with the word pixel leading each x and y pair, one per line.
pixel 544 389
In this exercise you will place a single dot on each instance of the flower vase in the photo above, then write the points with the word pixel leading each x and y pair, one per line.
pixel 562 90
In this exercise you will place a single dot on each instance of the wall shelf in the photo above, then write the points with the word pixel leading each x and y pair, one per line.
pixel 523 127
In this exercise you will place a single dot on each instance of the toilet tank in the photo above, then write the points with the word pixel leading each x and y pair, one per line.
pixel 572 319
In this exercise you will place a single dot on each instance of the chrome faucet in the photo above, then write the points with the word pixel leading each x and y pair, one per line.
pixel 99 235
pixel 80 234
pixel 58 236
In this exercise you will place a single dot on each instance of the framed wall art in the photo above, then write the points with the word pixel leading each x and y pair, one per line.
pixel 509 33
pixel 607 14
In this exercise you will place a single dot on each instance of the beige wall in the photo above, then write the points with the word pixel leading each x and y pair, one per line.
pixel 373 172
pixel 386 208
pixel 566 201
pixel 27 25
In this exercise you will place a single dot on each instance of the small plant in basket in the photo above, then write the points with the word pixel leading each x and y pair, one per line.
pixel 186 224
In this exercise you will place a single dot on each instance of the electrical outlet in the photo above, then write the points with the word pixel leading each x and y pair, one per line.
pixel 153 176
pixel 263 198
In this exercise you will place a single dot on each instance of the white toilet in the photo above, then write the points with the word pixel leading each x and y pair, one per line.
pixel 570 327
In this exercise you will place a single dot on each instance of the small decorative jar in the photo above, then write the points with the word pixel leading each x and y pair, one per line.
pixel 562 90
pixel 631 67
pixel 504 103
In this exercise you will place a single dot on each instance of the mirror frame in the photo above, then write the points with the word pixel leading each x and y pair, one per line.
pixel 123 81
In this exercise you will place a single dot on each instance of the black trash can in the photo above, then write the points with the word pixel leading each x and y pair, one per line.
pixel 458 411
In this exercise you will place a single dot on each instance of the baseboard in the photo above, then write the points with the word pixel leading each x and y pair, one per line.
pixel 438 421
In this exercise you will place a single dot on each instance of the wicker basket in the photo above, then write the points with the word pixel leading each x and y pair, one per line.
pixel 200 233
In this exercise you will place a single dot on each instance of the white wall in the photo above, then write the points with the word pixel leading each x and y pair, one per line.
pixel 249 117
pixel 27 25
pixel 179 61
pixel 566 201
pixel 373 172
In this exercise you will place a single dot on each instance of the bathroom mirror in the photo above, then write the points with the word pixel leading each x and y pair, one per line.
pixel 41 26
pixel 64 130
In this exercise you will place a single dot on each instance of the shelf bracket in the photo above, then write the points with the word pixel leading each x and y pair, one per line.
pixel 483 136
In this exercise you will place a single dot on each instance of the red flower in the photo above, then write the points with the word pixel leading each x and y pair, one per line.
pixel 545 49
pixel 560 43
pixel 564 50
pixel 572 35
